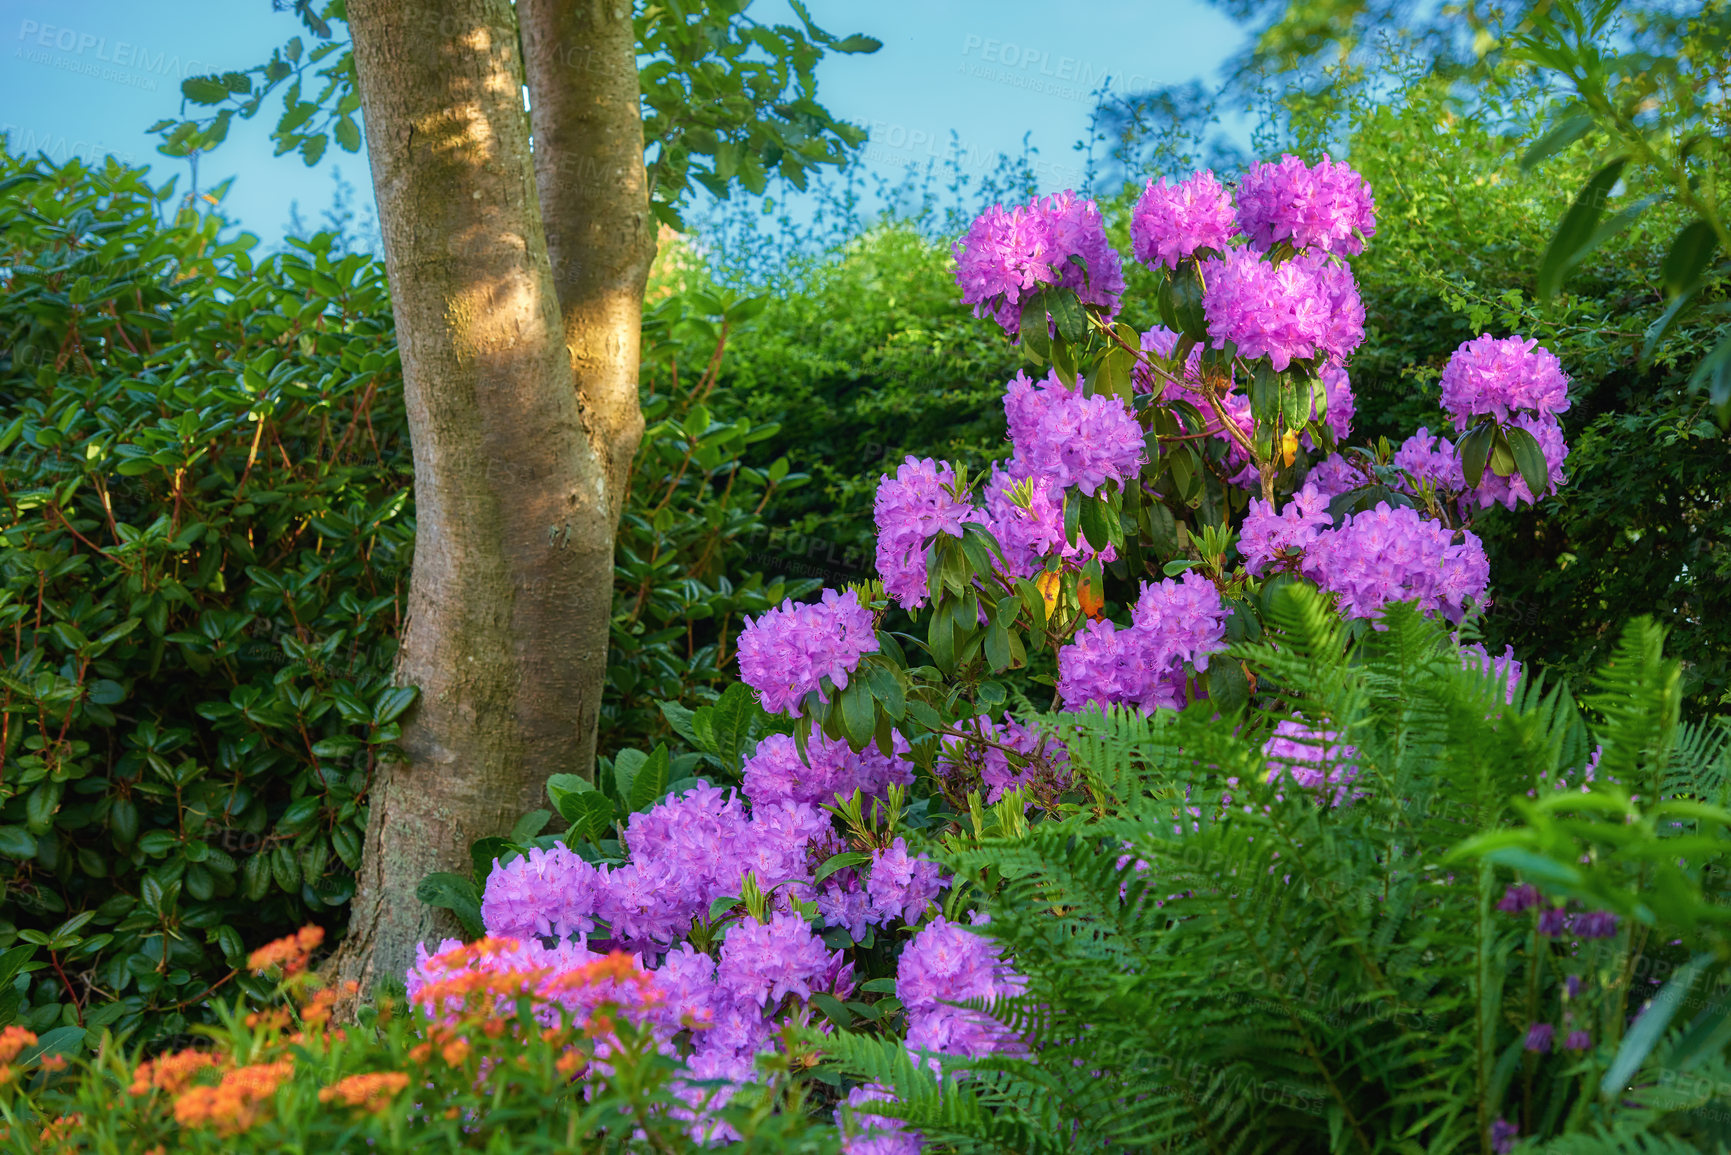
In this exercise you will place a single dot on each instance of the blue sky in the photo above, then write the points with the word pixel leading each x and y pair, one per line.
pixel 87 77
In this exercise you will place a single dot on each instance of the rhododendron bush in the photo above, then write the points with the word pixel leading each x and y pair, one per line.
pixel 1161 486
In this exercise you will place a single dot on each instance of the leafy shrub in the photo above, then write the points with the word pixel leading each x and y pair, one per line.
pixel 497 1077
pixel 1217 962
pixel 209 526
pixel 206 544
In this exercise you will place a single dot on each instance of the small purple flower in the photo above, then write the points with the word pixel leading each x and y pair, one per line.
pixel 1596 924
pixel 1553 921
pixel 1503 1136
pixel 1539 1037
pixel 1519 898
pixel 1573 983
pixel 1577 1041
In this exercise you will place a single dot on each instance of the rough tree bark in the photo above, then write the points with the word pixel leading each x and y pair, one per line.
pixel 515 492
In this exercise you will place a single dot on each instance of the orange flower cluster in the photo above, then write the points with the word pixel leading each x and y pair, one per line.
pixel 236 1103
pixel 170 1073
pixel 290 953
pixel 369 1092
pixel 62 1129
pixel 317 1011
pixel 13 1040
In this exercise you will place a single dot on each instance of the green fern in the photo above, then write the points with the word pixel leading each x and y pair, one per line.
pixel 1217 964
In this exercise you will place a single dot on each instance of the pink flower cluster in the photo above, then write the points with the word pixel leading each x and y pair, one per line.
pixel 1431 459
pixel 1266 539
pixel 910 509
pixel 1171 223
pixel 1499 377
pixel 1306 307
pixel 1008 255
pixel 1173 622
pixel 944 964
pixel 776 773
pixel 785 653
pixel 1073 440
pixel 1327 206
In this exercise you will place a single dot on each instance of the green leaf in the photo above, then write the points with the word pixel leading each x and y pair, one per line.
pixel 486 853
pixel 312 148
pixel 1649 1028
pixel 1032 329
pixel 679 717
pixel 857 43
pixel 204 89
pixel 1691 252
pixel 530 825
pixel 456 894
pixel 390 704
pixel 839 862
pixel 59 1041
pixel 1566 131
pixel 1067 311
pixel 1475 451
pixel 649 785
pixel 858 713
pixel 1575 233
pixel 348 134
pixel 563 789
pixel 832 1009
pixel 1530 460
pixel 591 816
pixel 17 842
pixel 1714 375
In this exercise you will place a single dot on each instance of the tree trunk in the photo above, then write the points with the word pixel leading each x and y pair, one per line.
pixel 511 589
pixel 581 58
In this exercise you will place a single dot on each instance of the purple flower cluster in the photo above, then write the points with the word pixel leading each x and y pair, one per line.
pixel 1171 223
pixel 1499 377
pixel 786 652
pixel 900 886
pixel 1342 406
pixel 1384 555
pixel 1504 668
pixel 1430 459
pixel 1313 760
pixel 947 963
pixel 764 962
pixel 1306 307
pixel 869 1134
pixel 1028 536
pixel 685 852
pixel 1045 767
pixel 1267 538
pixel 910 509
pixel 1173 622
pixel 1008 255
pixel 1070 439
pixel 1335 475
pixel 775 772
pixel 1327 206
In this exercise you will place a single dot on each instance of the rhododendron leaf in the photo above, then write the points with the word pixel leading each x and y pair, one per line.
pixel 1530 460
pixel 858 713
pixel 720 906
pixel 1294 404
pixel 679 717
pixel 1066 309
pixel 838 862
pixel 1475 451
pixel 998 647
pixel 1228 688
pixel 1502 461
pixel 456 894
pixel 563 789
pixel 1093 518
pixel 485 852
pixel 1032 329
pixel 592 816
pixel 1264 393
pixel 883 986
pixel 530 825
pixel 649 785
pixel 1187 302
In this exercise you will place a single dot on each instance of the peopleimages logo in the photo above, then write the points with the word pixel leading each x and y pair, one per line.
pixel 86 53
pixel 1032 68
